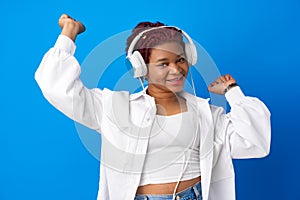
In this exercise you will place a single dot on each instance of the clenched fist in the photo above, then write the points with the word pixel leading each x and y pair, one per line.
pixel 70 27
pixel 220 84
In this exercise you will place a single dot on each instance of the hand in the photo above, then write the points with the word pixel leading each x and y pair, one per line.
pixel 219 85
pixel 70 27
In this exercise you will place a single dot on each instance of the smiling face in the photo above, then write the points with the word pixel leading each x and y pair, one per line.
pixel 168 67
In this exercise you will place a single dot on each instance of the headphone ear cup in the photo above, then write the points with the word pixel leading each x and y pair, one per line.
pixel 191 53
pixel 138 64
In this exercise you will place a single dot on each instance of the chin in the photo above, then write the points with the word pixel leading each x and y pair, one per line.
pixel 176 89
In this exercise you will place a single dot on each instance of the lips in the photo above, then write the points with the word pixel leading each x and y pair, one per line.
pixel 178 79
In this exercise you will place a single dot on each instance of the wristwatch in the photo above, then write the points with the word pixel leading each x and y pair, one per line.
pixel 231 85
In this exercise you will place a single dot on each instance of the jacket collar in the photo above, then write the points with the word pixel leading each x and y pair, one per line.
pixel 189 97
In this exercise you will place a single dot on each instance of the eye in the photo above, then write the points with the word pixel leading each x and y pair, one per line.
pixel 163 64
pixel 181 60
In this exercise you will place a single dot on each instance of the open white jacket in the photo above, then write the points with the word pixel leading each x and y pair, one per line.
pixel 125 121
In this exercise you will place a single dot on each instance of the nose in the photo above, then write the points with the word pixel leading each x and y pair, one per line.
pixel 175 68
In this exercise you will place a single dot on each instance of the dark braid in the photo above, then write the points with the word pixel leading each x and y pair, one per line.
pixel 153 38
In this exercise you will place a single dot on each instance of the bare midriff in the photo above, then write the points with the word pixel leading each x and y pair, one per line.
pixel 167 188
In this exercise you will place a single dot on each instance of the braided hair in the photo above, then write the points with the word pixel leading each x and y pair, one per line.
pixel 153 38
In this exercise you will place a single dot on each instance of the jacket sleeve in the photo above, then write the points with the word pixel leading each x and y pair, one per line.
pixel 58 78
pixel 246 129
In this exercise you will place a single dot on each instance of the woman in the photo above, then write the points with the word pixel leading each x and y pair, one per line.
pixel 160 143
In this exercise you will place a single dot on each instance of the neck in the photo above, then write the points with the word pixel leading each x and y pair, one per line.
pixel 161 94
pixel 167 102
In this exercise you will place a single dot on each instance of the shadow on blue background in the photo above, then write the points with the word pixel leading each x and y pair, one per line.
pixel 258 42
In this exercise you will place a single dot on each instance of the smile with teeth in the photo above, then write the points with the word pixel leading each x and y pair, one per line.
pixel 176 79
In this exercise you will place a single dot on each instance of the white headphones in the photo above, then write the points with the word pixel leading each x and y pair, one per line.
pixel 138 63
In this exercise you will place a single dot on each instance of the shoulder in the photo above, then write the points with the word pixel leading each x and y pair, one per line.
pixel 125 96
pixel 201 103
pixel 116 94
pixel 217 112
pixel 115 98
pixel 190 98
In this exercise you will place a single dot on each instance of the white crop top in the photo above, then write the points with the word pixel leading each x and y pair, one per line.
pixel 173 149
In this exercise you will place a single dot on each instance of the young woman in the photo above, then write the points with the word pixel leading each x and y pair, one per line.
pixel 160 143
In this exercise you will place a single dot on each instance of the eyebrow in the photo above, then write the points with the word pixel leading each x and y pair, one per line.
pixel 166 59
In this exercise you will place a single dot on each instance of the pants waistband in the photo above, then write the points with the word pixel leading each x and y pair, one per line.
pixel 193 192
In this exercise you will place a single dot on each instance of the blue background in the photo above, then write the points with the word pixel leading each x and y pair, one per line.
pixel 41 155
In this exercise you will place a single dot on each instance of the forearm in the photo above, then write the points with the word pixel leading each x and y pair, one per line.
pixel 58 72
pixel 249 130
pixel 58 78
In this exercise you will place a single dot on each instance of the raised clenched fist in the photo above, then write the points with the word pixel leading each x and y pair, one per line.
pixel 220 84
pixel 70 27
